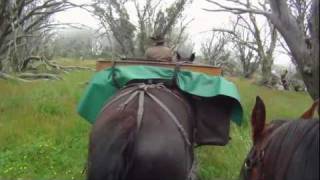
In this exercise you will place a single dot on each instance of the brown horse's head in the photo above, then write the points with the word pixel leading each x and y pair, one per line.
pixel 268 153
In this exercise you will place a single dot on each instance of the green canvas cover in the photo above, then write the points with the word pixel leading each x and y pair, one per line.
pixel 102 87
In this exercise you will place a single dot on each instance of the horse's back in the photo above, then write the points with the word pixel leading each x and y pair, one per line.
pixel 305 160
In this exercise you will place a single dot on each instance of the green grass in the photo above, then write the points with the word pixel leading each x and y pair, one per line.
pixel 225 162
pixel 42 137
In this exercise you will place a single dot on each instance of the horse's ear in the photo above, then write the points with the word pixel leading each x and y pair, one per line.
pixel 310 112
pixel 192 57
pixel 258 119
pixel 178 55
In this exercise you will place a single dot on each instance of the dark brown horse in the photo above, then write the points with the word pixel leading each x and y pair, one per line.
pixel 283 149
pixel 144 133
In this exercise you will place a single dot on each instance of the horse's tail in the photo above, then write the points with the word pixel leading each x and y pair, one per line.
pixel 111 147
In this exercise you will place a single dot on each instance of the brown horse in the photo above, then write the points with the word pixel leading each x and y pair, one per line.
pixel 283 149
pixel 144 133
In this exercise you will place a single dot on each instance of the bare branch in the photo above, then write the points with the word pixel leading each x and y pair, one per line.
pixel 235 10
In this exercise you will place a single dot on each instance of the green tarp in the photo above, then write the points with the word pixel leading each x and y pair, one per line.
pixel 101 88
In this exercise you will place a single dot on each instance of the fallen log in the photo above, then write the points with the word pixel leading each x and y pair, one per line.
pixel 54 65
pixel 39 76
pixel 10 77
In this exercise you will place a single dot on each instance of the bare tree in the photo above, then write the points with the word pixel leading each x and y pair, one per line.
pixel 26 35
pixel 76 43
pixel 247 56
pixel 145 20
pixel 298 23
pixel 178 36
pixel 24 25
pixel 186 49
pixel 214 49
pixel 168 22
pixel 114 17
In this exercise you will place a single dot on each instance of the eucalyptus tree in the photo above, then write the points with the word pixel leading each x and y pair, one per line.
pixel 24 30
pixel 152 19
pixel 298 23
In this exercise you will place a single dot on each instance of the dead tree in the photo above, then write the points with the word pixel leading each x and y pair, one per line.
pixel 178 37
pixel 113 17
pixel 25 36
pixel 21 22
pixel 298 23
pixel 248 57
pixel 214 49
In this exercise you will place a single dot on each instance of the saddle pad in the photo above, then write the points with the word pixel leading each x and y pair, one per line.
pixel 105 83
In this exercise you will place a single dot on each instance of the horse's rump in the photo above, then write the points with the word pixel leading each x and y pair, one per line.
pixel 154 150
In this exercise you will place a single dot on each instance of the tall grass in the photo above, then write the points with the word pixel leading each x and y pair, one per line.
pixel 42 137
pixel 225 162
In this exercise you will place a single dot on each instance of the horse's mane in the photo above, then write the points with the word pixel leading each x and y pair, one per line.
pixel 115 168
pixel 291 150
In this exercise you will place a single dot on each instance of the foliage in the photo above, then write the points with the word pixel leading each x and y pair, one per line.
pixel 42 137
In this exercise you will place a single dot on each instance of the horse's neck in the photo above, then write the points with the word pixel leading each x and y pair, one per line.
pixel 283 143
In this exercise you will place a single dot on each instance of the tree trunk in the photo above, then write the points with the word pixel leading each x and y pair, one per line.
pixel 266 67
pixel 142 41
pixel 305 51
pixel 247 72
pixel 313 87
pixel 310 73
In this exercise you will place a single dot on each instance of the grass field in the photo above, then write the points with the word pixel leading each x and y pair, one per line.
pixel 42 137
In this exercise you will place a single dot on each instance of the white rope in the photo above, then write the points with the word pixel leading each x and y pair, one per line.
pixel 131 97
pixel 193 170
pixel 140 109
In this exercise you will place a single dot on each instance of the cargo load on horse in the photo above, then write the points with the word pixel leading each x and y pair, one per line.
pixel 148 116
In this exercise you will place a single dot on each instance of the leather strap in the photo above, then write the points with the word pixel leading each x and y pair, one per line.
pixel 113 74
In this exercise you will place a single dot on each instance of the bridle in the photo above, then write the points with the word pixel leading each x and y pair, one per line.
pixel 255 160
pixel 257 154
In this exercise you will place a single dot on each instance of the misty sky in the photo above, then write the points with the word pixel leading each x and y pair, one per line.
pixel 199 28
